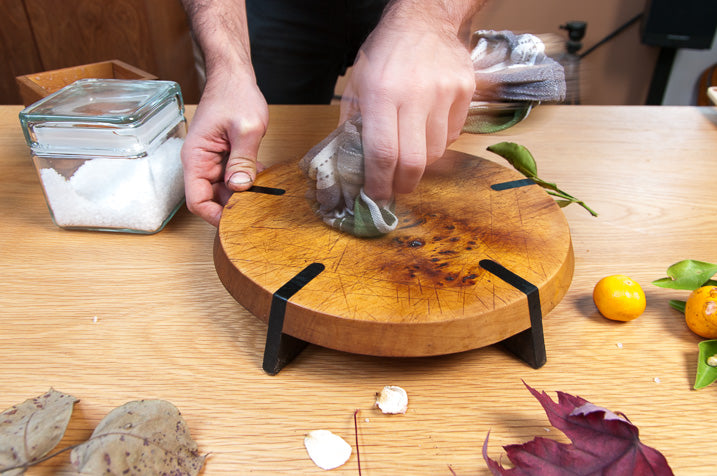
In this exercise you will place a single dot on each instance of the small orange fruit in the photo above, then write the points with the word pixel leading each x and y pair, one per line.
pixel 701 312
pixel 619 298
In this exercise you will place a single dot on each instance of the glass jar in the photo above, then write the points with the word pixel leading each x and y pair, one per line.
pixel 107 152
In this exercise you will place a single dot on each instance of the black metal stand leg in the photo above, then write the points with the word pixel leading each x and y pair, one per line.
pixel 528 345
pixel 282 348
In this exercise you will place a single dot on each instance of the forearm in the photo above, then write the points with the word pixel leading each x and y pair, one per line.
pixel 220 27
pixel 441 16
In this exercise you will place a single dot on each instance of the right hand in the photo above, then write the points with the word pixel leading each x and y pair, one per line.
pixel 412 82
pixel 220 151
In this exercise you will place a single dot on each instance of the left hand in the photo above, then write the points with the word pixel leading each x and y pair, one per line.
pixel 220 151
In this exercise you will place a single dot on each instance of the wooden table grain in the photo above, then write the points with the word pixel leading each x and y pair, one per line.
pixel 111 317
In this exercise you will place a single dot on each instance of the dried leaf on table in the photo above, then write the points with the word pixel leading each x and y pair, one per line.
pixel 141 437
pixel 602 443
pixel 29 431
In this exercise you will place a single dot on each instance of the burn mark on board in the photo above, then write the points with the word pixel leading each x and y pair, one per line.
pixel 436 253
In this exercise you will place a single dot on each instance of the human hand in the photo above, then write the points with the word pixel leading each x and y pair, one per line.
pixel 219 155
pixel 412 85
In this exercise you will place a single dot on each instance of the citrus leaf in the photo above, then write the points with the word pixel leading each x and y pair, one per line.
pixel 551 186
pixel 665 283
pixel 141 437
pixel 687 275
pixel 29 431
pixel 602 443
pixel 678 305
pixel 518 156
pixel 522 160
pixel 706 374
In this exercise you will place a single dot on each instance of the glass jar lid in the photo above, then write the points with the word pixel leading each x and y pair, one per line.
pixel 112 117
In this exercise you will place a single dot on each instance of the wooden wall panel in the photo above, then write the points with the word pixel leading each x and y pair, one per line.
pixel 74 32
pixel 152 35
pixel 18 54
pixel 173 48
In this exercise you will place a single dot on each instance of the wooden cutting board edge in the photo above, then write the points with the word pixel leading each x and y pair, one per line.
pixel 400 339
pixel 435 336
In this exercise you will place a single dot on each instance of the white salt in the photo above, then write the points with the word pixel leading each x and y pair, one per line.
pixel 118 193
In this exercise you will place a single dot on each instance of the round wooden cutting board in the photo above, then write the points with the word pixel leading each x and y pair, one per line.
pixel 417 291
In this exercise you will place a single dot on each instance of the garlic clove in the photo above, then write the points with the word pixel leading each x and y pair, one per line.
pixel 327 449
pixel 392 399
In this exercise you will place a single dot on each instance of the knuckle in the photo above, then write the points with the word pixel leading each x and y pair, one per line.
pixel 467 85
pixel 252 126
pixel 444 84
pixel 240 162
pixel 452 137
pixel 193 207
pixel 412 161
pixel 435 151
pixel 377 100
pixel 382 156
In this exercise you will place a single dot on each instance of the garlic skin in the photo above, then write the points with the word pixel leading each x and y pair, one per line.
pixel 392 399
pixel 326 449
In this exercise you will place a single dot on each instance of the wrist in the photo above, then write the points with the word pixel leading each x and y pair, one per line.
pixel 439 16
pixel 228 68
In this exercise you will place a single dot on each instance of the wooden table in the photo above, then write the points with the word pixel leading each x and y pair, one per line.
pixel 111 318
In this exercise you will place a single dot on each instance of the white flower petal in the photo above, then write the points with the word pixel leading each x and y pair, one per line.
pixel 327 449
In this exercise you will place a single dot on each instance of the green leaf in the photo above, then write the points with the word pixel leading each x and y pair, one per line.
pixel 687 275
pixel 522 160
pixel 551 186
pixel 518 156
pixel 706 374
pixel 678 305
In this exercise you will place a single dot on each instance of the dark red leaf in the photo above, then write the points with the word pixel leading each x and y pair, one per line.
pixel 602 443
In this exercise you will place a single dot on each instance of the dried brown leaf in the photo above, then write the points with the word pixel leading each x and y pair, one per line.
pixel 29 431
pixel 141 437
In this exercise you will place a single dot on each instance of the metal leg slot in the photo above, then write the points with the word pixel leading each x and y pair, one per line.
pixel 528 345
pixel 282 348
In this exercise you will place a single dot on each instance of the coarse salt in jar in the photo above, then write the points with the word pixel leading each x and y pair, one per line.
pixel 107 152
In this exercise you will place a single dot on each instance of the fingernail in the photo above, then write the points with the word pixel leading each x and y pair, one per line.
pixel 239 178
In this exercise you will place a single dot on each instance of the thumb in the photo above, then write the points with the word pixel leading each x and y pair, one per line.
pixel 240 172
pixel 240 169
